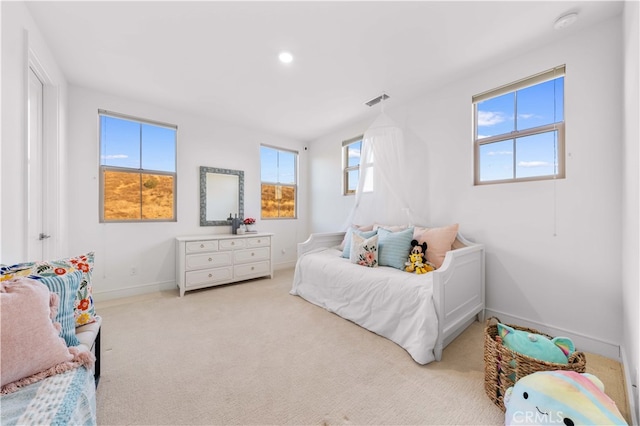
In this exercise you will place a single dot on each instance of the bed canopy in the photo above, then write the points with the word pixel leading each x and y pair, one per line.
pixel 384 165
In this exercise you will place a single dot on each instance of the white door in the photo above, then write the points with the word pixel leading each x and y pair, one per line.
pixel 35 183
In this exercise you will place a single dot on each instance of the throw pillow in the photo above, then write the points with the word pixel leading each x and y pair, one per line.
pixel 359 228
pixel 364 251
pixel 346 252
pixel 66 287
pixel 394 247
pixel 30 341
pixel 392 228
pixel 84 310
pixel 439 241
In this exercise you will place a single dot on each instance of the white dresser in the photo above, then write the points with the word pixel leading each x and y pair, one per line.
pixel 210 260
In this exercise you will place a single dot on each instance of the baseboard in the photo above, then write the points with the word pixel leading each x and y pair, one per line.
pixel 583 342
pixel 119 293
pixel 631 384
pixel 284 265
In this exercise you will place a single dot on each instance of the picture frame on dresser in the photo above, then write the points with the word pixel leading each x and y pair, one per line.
pixel 211 260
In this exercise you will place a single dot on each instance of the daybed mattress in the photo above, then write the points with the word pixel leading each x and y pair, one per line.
pixel 389 302
pixel 63 399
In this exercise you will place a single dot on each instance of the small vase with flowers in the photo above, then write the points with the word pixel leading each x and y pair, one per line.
pixel 250 224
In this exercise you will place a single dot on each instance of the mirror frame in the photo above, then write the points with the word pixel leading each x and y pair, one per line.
pixel 203 195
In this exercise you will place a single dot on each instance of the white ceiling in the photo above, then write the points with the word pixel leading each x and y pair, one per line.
pixel 219 59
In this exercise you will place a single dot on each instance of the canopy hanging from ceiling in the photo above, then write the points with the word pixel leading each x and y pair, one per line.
pixel 384 165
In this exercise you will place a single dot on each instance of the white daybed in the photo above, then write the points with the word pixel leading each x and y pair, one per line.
pixel 421 313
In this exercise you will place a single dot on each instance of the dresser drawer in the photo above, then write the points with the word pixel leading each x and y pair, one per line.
pixel 251 255
pixel 201 246
pixel 232 244
pixel 258 242
pixel 209 260
pixel 208 276
pixel 252 270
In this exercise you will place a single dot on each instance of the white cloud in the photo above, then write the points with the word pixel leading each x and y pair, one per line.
pixel 490 118
pixel 525 116
pixel 115 156
pixel 499 152
pixel 535 164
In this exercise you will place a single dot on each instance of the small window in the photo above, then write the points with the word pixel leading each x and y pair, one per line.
pixel 278 175
pixel 352 157
pixel 137 169
pixel 519 130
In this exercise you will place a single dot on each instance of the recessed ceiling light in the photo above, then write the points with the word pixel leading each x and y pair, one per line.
pixel 565 20
pixel 285 57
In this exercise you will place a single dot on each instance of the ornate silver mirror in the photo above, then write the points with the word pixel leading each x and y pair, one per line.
pixel 221 195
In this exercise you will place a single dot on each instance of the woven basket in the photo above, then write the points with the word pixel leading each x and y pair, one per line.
pixel 503 367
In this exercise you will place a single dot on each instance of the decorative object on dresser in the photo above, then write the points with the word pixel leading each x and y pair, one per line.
pixel 210 260
pixel 250 224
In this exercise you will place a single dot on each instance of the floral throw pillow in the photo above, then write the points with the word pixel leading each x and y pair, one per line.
pixel 364 251
pixel 84 310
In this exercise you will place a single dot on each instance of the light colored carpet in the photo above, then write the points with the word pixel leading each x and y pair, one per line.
pixel 251 353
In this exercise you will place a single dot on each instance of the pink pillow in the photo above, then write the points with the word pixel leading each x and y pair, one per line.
pixel 30 341
pixel 439 241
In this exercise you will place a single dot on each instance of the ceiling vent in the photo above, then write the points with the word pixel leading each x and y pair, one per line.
pixel 374 101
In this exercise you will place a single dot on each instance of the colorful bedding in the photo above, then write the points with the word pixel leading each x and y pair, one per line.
pixel 63 399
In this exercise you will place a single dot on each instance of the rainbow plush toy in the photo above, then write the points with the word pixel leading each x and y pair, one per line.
pixel 560 398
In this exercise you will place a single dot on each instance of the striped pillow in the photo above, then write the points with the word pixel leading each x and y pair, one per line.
pixel 394 247
pixel 65 286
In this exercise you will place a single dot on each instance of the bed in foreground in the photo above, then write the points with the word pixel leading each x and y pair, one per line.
pixel 63 399
pixel 421 313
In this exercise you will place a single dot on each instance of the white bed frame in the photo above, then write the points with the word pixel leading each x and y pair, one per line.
pixel 458 285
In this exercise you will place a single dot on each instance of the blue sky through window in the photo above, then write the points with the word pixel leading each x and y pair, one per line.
pixel 530 156
pixel 131 144
pixel 277 166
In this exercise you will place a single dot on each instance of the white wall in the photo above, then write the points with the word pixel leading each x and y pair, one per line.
pixel 630 204
pixel 553 248
pixel 19 36
pixel 150 247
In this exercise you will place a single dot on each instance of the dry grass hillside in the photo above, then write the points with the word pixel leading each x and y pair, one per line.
pixel 272 207
pixel 123 199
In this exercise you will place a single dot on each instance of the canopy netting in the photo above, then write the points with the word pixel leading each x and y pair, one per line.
pixel 384 167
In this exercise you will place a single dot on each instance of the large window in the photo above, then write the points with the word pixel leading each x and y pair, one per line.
pixel 137 169
pixel 519 130
pixel 352 157
pixel 278 174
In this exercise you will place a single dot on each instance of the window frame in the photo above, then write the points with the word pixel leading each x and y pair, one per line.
pixel 558 127
pixel 345 163
pixel 279 184
pixel 105 168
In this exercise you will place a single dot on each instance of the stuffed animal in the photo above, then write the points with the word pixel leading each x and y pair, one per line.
pixel 418 259
pixel 560 398
pixel 536 346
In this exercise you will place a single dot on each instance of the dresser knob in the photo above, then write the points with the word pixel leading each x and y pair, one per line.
pixel 253 254
pixel 233 243
pixel 210 259
pixel 210 275
pixel 259 241
pixel 201 245
pixel 252 268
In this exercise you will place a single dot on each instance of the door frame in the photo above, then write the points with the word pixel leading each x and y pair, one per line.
pixel 51 178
